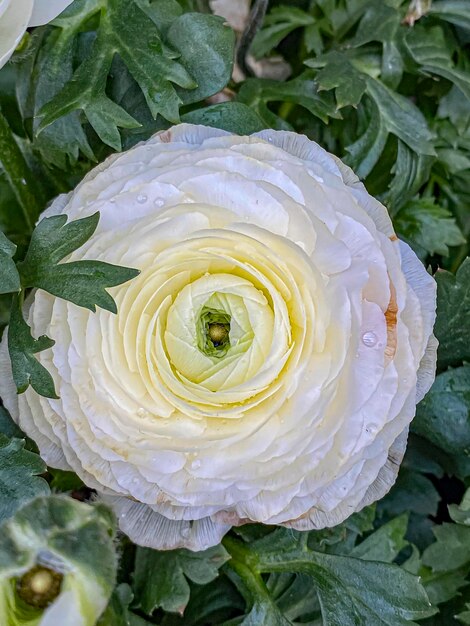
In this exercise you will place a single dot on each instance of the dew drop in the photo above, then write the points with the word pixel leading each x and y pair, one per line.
pixel 369 339
pixel 142 198
pixel 113 200
pixel 142 412
pixel 196 464
pixel 159 202
pixel 270 139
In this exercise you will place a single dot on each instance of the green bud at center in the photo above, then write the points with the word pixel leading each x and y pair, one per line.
pixel 39 587
pixel 213 332
pixel 217 333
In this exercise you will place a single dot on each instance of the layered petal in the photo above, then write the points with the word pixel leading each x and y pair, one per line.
pixel 265 364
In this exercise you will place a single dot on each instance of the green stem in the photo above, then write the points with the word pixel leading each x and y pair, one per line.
pixel 19 176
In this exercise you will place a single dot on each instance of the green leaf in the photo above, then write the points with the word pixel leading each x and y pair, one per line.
pixel 27 192
pixel 427 226
pixel 205 48
pixel 8 426
pixel 350 590
pixel 453 326
pixel 22 347
pixel 429 48
pixel 160 577
pixel 64 481
pixel 401 117
pixel 385 543
pixel 451 549
pixel 464 617
pixel 188 60
pixel 82 282
pixel 410 172
pixel 339 74
pixel 461 513
pixel 19 480
pixel 9 277
pixel 379 23
pixel 303 90
pixel 453 11
pixel 411 492
pixel 278 24
pixel 234 117
pixel 117 612
pixel 365 151
pixel 44 70
pixel 443 417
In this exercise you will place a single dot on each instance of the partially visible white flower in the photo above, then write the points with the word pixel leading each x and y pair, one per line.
pixel 57 564
pixel 17 15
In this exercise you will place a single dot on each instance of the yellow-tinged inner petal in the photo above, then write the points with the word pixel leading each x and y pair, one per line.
pixel 250 335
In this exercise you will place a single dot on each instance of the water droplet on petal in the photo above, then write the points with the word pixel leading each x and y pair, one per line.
pixel 113 200
pixel 196 464
pixel 369 339
pixel 159 202
pixel 141 198
pixel 270 139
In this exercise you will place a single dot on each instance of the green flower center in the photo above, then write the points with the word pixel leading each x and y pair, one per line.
pixel 39 587
pixel 213 332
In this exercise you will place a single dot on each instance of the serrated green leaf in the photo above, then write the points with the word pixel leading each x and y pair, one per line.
pixel 339 74
pixel 432 52
pixel 427 226
pixel 350 590
pixel 22 347
pixel 160 577
pixel 451 550
pixel 452 325
pixel 303 90
pixel 19 480
pixel 9 277
pixel 401 117
pixel 44 70
pixel 82 282
pixel 188 58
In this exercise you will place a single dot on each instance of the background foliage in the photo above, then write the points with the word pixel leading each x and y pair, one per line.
pixel 385 85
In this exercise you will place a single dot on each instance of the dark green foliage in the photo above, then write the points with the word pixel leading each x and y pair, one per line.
pixel 383 84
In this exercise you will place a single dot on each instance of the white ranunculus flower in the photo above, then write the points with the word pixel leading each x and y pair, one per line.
pixel 17 15
pixel 266 363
